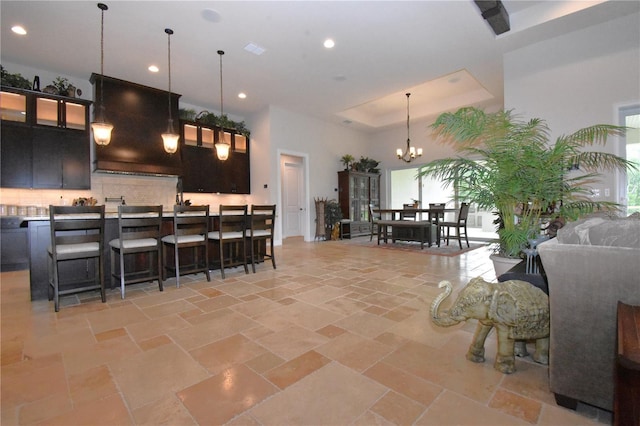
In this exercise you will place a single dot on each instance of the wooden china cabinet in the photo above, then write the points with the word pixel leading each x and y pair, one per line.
pixel 356 191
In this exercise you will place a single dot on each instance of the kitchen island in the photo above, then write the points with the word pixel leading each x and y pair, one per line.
pixel 39 234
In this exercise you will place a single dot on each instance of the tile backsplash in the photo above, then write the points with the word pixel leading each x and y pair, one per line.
pixel 109 188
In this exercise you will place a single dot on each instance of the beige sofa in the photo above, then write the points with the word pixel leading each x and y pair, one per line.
pixel 593 263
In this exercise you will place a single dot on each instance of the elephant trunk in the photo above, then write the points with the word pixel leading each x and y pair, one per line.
pixel 443 319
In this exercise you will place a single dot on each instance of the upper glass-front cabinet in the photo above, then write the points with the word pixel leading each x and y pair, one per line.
pixel 26 106
pixel 60 113
pixel 205 136
pixel 13 107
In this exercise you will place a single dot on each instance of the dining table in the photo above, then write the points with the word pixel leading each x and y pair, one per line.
pixel 391 222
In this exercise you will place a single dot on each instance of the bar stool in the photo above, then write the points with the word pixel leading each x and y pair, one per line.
pixel 262 223
pixel 139 230
pixel 232 231
pixel 77 232
pixel 190 228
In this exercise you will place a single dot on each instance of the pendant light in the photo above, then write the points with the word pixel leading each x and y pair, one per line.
pixel 410 153
pixel 222 146
pixel 170 137
pixel 101 129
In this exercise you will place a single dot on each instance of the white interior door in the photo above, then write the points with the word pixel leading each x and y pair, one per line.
pixel 293 190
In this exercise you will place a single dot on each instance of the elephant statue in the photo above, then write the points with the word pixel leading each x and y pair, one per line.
pixel 518 310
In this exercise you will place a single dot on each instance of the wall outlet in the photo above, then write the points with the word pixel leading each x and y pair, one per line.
pixel 607 192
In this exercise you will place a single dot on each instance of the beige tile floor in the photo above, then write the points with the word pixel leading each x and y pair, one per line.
pixel 338 334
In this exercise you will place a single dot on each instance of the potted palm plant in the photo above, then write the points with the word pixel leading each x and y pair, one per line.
pixel 511 166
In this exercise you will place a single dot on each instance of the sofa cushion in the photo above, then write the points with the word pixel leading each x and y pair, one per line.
pixel 602 231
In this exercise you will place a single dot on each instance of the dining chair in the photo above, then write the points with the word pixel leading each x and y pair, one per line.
pixel 261 230
pixel 231 237
pixel 139 232
pixel 77 233
pixel 436 216
pixel 408 212
pixel 190 229
pixel 460 225
pixel 374 217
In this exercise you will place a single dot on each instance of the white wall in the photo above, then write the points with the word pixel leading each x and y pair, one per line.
pixel 577 80
pixel 321 142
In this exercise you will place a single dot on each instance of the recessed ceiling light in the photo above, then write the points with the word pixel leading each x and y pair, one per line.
pixel 153 68
pixel 255 49
pixel 242 95
pixel 329 43
pixel 18 29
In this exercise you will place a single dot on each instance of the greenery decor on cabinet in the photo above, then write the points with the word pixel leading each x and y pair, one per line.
pixel 347 160
pixel 511 166
pixel 211 119
pixel 13 80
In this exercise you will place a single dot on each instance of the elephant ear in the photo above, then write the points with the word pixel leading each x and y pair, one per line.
pixel 503 308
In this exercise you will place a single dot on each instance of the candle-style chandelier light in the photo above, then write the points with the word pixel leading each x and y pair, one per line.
pixel 410 153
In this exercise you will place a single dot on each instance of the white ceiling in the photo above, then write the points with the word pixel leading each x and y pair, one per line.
pixel 443 52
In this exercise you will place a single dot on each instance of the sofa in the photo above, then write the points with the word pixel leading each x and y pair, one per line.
pixel 591 265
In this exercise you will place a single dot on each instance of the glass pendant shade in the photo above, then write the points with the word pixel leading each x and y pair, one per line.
pixel 101 132
pixel 170 139
pixel 222 150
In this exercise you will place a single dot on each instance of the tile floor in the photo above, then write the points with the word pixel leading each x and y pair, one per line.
pixel 337 335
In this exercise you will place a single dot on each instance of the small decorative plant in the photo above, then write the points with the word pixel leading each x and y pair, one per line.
pixel 347 160
pixel 332 216
pixel 13 80
pixel 366 164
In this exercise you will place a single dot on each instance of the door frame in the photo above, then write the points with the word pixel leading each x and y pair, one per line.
pixel 305 196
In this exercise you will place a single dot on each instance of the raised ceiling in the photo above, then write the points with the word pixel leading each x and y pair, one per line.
pixel 443 52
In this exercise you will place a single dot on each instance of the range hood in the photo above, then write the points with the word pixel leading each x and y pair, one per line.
pixel 139 116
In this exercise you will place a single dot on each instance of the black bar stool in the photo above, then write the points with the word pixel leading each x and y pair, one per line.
pixel 139 230
pixel 77 232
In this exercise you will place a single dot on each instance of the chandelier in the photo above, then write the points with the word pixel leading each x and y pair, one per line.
pixel 410 153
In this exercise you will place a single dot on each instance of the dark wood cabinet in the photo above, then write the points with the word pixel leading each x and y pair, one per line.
pixel 356 191
pixel 60 159
pixel 203 171
pixel 139 115
pixel 45 141
pixel 14 255
pixel 15 155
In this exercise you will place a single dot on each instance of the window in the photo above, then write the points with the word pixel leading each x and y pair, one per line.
pixel 630 184
pixel 405 188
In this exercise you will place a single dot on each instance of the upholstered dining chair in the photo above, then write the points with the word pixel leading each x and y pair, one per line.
pixel 231 237
pixel 139 229
pixel 460 225
pixel 190 229
pixel 77 233
pixel 263 218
